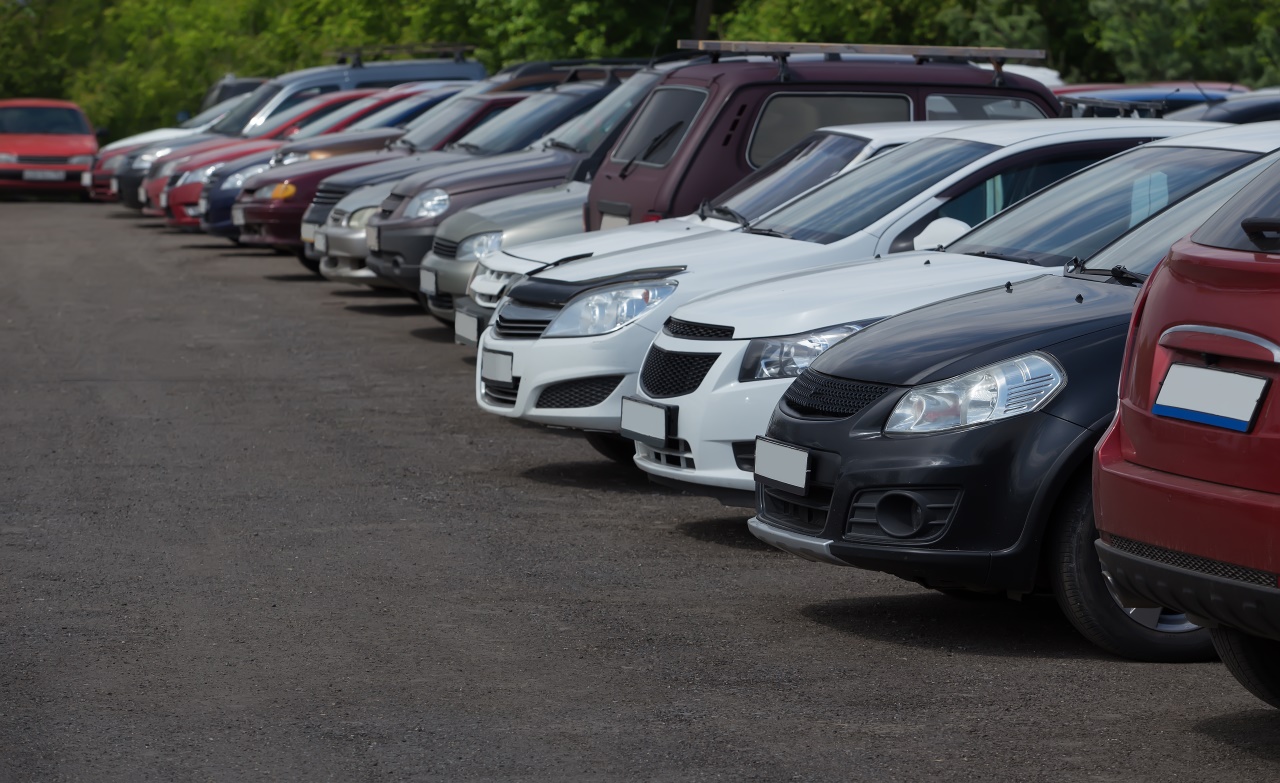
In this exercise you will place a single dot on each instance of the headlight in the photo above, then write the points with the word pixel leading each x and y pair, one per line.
pixel 80 160
pixel 8 157
pixel 115 164
pixel 360 217
pixel 608 309
pixel 293 157
pixel 200 175
pixel 142 162
pixel 478 246
pixel 427 204
pixel 237 180
pixel 264 192
pixel 786 357
pixel 1000 391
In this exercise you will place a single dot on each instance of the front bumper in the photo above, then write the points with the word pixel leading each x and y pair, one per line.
pixel 276 223
pixel 183 205
pixel 469 321
pixel 54 179
pixel 984 495
pixel 105 186
pixel 156 204
pixel 130 182
pixel 443 281
pixel 400 250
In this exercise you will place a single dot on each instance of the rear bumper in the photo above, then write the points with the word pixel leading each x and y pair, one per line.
pixel 13 178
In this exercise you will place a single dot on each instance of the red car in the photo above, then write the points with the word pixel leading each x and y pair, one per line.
pixel 1187 478
pixel 271 135
pixel 45 146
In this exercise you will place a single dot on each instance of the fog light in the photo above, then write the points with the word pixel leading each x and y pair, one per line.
pixel 902 514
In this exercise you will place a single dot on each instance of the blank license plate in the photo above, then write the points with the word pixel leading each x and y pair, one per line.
pixel 1213 397
pixel 645 421
pixel 142 194
pixel 202 205
pixel 613 221
pixel 308 232
pixel 42 175
pixel 86 179
pixel 371 238
pixel 467 327
pixel 237 215
pixel 496 367
pixel 115 185
pixel 427 281
pixel 164 200
pixel 322 243
pixel 778 463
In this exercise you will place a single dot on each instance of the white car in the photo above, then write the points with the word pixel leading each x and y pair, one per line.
pixel 714 374
pixel 197 124
pixel 566 345
pixel 826 153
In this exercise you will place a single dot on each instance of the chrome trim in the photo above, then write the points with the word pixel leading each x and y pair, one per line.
pixel 815 549
pixel 1261 342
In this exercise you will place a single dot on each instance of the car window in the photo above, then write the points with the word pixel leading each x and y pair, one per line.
pixel 43 119
pixel 438 125
pixel 980 107
pixel 340 115
pixel 1078 216
pixel 786 118
pixel 1230 227
pixel 522 124
pixel 660 126
pixel 868 192
pixel 304 95
pixel 400 113
pixel 815 159
pixel 234 123
pixel 301 116
pixel 590 129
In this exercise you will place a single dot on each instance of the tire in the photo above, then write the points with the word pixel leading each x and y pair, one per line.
pixel 312 265
pixel 1082 590
pixel 1254 661
pixel 617 448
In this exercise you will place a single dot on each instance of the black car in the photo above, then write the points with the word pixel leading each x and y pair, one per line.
pixel 1258 106
pixel 951 445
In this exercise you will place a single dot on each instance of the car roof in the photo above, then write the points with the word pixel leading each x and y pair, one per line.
pixel 1254 137
pixel 890 132
pixel 1007 133
pixel 47 103
pixel 376 65
pixel 891 69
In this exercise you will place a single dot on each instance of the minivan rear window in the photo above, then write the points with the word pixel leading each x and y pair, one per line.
pixel 1258 202
pixel 654 137
pixel 786 118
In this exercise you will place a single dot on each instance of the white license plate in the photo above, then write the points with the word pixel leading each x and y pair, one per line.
pixel 309 232
pixel 43 175
pixel 613 221
pixel 467 327
pixel 202 205
pixel 427 281
pixel 86 179
pixel 371 237
pixel 142 194
pixel 1206 396
pixel 646 422
pixel 778 463
pixel 322 243
pixel 115 185
pixel 237 215
pixel 164 200
pixel 496 367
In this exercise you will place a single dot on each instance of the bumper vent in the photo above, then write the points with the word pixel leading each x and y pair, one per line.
pixel 672 374
pixel 441 300
pixel 328 196
pixel 445 248
pixel 1201 565
pixel 815 394
pixel 580 393
pixel 689 330
pixel 501 393
pixel 44 159
pixel 804 514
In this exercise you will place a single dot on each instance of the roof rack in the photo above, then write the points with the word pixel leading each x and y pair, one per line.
pixel 355 55
pixel 1089 107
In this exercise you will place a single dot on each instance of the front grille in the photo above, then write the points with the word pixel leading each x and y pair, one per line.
pixel 43 159
pixel 805 514
pixel 816 394
pixel 441 300
pixel 687 329
pixel 389 205
pixel 501 393
pixel 1201 565
pixel 445 248
pixel 327 196
pixel 580 393
pixel 523 322
pixel 672 374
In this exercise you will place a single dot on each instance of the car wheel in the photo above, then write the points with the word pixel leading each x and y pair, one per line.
pixel 312 264
pixel 1254 661
pixel 615 447
pixel 1084 592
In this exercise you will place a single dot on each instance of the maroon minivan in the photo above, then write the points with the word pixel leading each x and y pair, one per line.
pixel 708 126
pixel 1187 479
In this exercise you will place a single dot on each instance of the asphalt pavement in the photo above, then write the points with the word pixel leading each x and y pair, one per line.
pixel 253 526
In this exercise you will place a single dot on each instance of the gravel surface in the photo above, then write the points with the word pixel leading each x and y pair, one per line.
pixel 252 525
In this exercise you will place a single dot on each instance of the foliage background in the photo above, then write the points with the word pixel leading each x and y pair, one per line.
pixel 134 63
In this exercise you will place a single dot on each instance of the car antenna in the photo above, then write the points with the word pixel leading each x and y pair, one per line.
pixel 657 39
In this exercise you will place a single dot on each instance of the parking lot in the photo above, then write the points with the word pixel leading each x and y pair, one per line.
pixel 252 524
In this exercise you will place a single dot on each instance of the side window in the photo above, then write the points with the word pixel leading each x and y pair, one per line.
pixel 303 95
pixel 657 131
pixel 383 83
pixel 785 119
pixel 318 114
pixel 980 107
pixel 997 193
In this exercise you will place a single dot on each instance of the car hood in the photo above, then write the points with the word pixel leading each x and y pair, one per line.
pixel 367 196
pixel 506 213
pixel 225 153
pixel 339 140
pixel 385 168
pixel 479 172
pixel 52 144
pixel 611 241
pixel 959 335
pixel 803 302
pixel 150 137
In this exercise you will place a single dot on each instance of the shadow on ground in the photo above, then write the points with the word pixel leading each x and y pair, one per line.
pixel 434 334
pixel 300 277
pixel 998 627
pixel 1256 732
pixel 368 293
pixel 727 531
pixel 398 310
pixel 208 246
pixel 603 475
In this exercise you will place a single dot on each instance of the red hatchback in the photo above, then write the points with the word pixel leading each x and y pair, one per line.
pixel 1187 479
pixel 45 145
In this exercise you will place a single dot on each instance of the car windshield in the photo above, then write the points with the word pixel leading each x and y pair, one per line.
pixel 438 125
pixel 521 125
pixel 236 120
pixel 397 112
pixel 1079 215
pixel 335 118
pixel 43 119
pixel 303 115
pixel 214 112
pixel 815 159
pixel 1139 250
pixel 858 198
pixel 588 131
pixel 1250 222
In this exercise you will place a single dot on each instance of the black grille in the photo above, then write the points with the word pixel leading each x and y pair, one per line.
pixel 501 393
pixel 328 196
pixel 672 374
pixel 806 514
pixel 520 328
pixel 677 328
pixel 441 300
pixel 47 159
pixel 445 248
pixel 581 393
pixel 1202 565
pixel 822 395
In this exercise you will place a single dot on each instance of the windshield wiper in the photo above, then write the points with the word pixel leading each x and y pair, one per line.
pixel 562 145
pixel 406 143
pixel 766 232
pixel 1003 257
pixel 649 150
pixel 474 149
pixel 729 212
pixel 1120 273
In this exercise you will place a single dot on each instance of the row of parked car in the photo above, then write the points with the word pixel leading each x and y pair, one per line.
pixel 833 284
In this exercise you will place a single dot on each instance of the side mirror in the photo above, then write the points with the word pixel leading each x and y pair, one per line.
pixel 942 231
pixel 184 115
